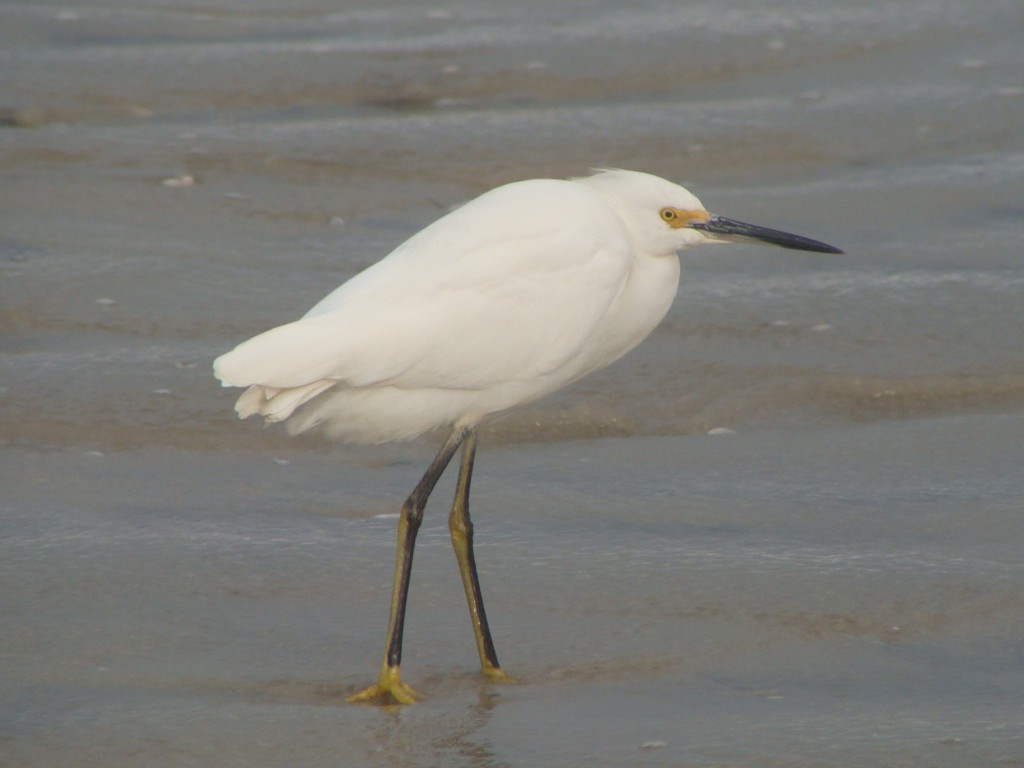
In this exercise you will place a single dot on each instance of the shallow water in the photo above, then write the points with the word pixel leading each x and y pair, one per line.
pixel 667 601
pixel 837 583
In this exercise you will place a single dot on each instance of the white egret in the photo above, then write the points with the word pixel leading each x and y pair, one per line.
pixel 504 300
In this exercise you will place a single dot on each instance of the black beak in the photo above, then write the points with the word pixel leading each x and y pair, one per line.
pixel 729 229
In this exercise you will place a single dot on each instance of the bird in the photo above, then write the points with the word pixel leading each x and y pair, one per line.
pixel 502 301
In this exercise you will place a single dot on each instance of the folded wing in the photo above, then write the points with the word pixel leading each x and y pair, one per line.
pixel 471 302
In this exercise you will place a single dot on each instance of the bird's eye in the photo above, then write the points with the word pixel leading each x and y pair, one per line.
pixel 668 214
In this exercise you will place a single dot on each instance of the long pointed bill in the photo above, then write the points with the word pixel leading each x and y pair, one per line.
pixel 729 229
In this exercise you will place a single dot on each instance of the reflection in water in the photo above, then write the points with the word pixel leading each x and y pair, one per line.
pixel 422 736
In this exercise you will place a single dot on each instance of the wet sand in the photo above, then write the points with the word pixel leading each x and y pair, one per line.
pixel 734 599
pixel 833 578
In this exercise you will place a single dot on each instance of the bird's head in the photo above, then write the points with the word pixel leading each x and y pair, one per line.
pixel 665 217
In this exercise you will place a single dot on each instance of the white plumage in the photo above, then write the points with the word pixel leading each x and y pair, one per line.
pixel 506 299
pixel 512 296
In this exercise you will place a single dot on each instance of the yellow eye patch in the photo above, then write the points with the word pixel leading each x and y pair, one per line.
pixel 679 218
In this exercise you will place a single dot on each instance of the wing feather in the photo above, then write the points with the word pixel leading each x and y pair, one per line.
pixel 507 288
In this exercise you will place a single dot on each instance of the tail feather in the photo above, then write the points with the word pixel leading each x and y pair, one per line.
pixel 277 404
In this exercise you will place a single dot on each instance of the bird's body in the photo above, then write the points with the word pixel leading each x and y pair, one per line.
pixel 508 298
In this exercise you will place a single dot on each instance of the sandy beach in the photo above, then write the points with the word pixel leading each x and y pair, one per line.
pixel 787 530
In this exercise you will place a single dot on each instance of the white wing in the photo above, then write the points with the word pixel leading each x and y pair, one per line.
pixel 507 288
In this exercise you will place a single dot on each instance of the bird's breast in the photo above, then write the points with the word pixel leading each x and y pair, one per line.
pixel 639 307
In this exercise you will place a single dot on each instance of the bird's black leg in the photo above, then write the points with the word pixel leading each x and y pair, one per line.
pixel 389 683
pixel 461 528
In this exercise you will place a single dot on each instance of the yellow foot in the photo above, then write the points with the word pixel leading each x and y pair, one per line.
pixel 389 686
pixel 497 675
